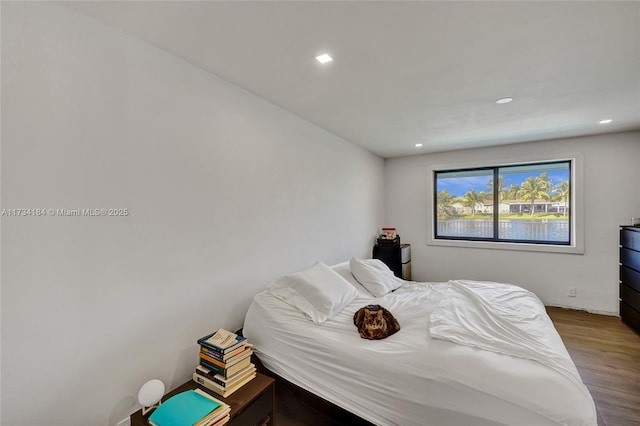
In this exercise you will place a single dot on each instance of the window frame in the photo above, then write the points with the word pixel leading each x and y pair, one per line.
pixel 576 228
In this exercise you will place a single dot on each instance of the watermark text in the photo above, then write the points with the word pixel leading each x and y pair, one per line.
pixel 51 212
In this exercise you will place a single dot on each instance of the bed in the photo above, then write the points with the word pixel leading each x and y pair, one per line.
pixel 468 352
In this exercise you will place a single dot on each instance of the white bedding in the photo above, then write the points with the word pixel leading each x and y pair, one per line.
pixel 418 376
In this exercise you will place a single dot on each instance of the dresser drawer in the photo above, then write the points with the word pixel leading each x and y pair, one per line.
pixel 630 316
pixel 630 258
pixel 630 239
pixel 630 297
pixel 630 277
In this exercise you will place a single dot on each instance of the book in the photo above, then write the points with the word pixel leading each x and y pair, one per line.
pixel 231 361
pixel 183 409
pixel 232 382
pixel 238 355
pixel 211 397
pixel 238 340
pixel 230 349
pixel 218 422
pixel 209 374
pixel 201 369
pixel 228 355
pixel 216 415
pixel 217 369
pixel 222 339
pixel 223 391
pixel 221 380
pixel 226 372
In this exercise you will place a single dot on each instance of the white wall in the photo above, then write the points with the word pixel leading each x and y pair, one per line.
pixel 225 191
pixel 611 176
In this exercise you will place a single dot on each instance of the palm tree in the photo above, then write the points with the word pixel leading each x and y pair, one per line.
pixel 512 191
pixel 562 193
pixel 548 183
pixel 502 189
pixel 470 199
pixel 444 203
pixel 534 188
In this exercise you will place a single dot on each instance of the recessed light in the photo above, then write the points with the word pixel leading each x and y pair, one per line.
pixel 418 145
pixel 324 58
pixel 607 121
pixel 504 100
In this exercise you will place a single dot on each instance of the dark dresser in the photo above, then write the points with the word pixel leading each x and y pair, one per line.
pixel 630 276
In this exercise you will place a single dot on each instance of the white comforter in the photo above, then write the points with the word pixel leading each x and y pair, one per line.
pixel 505 319
pixel 468 353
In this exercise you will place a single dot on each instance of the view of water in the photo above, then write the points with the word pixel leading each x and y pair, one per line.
pixel 535 230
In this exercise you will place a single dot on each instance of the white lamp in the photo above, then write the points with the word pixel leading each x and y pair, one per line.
pixel 150 395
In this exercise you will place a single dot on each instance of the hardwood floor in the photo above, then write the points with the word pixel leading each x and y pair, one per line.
pixel 607 355
pixel 605 351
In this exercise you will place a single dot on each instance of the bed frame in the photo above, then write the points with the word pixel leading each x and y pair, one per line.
pixel 297 399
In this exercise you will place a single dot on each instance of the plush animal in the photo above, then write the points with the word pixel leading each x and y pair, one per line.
pixel 375 322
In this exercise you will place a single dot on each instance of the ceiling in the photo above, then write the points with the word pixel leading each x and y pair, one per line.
pixel 407 73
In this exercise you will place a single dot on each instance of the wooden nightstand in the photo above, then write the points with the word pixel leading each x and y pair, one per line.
pixel 252 404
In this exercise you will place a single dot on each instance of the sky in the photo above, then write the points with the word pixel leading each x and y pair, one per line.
pixel 458 186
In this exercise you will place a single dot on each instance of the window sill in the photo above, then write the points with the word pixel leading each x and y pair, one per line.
pixel 492 245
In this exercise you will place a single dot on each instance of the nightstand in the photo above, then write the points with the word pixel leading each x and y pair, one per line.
pixel 397 258
pixel 252 404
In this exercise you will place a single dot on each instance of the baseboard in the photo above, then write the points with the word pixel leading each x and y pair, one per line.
pixel 591 311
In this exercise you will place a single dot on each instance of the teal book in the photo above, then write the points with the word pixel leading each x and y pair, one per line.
pixel 183 409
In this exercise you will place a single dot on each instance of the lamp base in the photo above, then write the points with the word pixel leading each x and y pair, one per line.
pixel 146 410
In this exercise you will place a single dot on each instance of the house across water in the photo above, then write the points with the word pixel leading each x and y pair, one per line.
pixel 513 207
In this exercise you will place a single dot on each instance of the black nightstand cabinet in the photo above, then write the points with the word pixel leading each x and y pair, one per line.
pixel 630 276
pixel 397 258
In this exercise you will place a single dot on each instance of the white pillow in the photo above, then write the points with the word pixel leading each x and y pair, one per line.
pixel 374 275
pixel 344 270
pixel 317 291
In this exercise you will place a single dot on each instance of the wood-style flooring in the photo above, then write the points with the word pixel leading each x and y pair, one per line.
pixel 607 354
pixel 604 349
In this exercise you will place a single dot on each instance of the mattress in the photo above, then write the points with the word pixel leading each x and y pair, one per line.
pixel 414 378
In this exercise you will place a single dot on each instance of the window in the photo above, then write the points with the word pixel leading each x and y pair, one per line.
pixel 526 204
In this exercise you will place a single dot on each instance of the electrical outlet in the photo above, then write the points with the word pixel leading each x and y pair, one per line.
pixel 124 422
pixel 571 292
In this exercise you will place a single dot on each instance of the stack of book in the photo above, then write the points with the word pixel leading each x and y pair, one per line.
pixel 191 408
pixel 225 362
